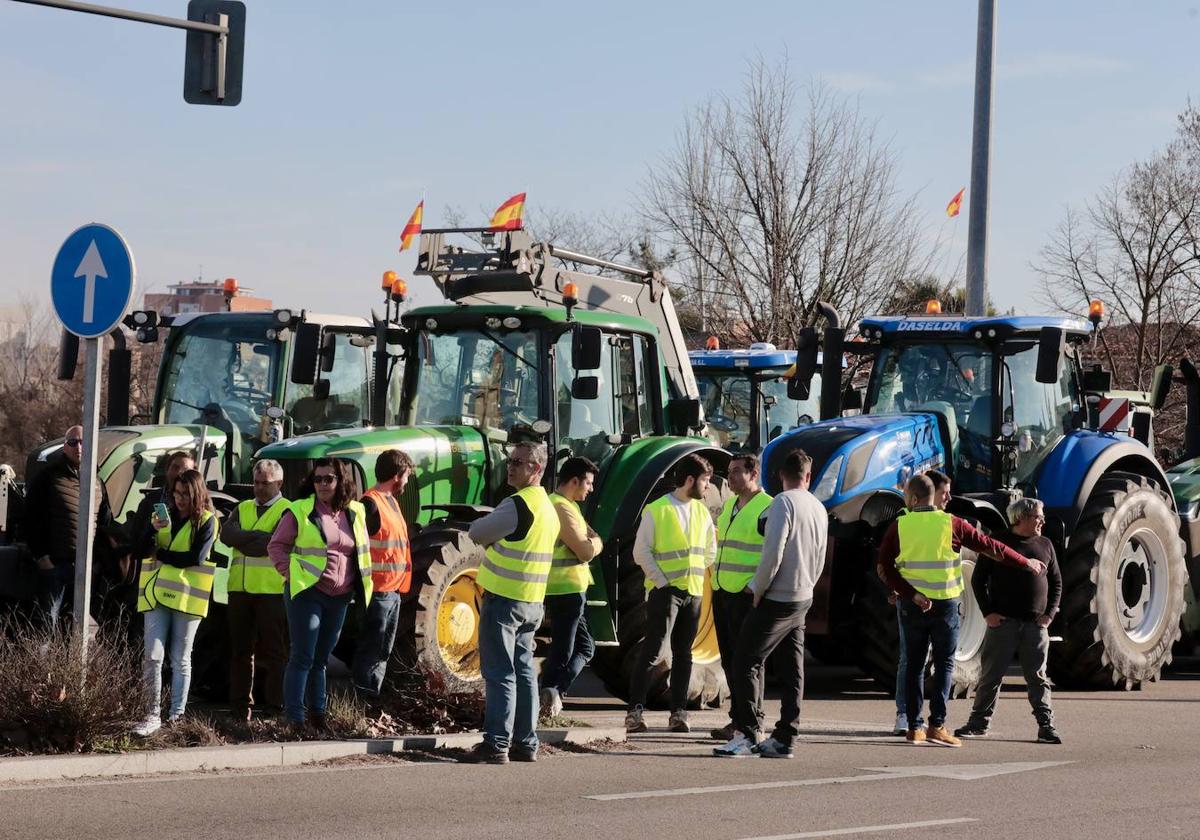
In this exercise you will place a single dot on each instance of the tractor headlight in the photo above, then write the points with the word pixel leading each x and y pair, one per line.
pixel 827 486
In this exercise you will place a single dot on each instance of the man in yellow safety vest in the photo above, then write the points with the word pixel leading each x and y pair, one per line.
pixel 571 645
pixel 519 538
pixel 739 550
pixel 675 543
pixel 258 644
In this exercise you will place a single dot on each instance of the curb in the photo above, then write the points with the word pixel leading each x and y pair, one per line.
pixel 244 756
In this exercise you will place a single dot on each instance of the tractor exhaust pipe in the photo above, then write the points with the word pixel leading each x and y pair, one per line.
pixel 1191 426
pixel 832 348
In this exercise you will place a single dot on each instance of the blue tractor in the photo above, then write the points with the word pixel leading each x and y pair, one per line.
pixel 1006 407
pixel 745 395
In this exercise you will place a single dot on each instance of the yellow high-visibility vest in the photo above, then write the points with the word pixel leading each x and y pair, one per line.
pixel 257 575
pixel 519 569
pixel 680 557
pixel 187 590
pixel 927 558
pixel 739 545
pixel 310 552
pixel 567 575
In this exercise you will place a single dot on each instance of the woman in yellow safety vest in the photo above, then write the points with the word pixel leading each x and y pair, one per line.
pixel 174 587
pixel 321 548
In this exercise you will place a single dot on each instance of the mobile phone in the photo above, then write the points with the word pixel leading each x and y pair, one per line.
pixel 160 510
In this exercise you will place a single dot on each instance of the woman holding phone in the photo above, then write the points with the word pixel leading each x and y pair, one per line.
pixel 174 588
pixel 320 547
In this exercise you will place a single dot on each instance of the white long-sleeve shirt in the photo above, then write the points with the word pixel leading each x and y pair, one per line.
pixel 643 544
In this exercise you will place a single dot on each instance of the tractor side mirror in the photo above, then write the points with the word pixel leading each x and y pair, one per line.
pixel 684 415
pixel 320 389
pixel 586 346
pixel 1160 386
pixel 585 388
pixel 306 351
pixel 807 348
pixel 852 400
pixel 1052 344
pixel 328 352
pixel 1097 380
pixel 68 355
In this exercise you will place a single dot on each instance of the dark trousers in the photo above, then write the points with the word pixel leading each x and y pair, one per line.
pixel 571 644
pixel 1030 642
pixel 937 628
pixel 56 595
pixel 729 612
pixel 674 614
pixel 773 629
pixel 258 648
pixel 373 647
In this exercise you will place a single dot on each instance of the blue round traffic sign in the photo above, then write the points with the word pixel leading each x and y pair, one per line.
pixel 91 284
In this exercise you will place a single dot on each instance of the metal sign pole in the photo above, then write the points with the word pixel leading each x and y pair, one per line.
pixel 86 528
pixel 981 157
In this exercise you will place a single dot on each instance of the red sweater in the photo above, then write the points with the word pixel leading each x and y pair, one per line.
pixel 964 535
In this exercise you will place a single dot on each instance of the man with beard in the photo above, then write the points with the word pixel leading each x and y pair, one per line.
pixel 675 543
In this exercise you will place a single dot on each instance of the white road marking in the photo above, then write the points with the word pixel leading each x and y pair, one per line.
pixel 841 832
pixel 960 772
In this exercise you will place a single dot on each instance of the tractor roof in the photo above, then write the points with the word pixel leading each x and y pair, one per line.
pixel 267 315
pixel 548 312
pixel 967 327
pixel 757 357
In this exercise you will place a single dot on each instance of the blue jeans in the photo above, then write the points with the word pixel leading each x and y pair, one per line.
pixel 314 624
pixel 374 646
pixel 506 629
pixel 901 666
pixel 939 628
pixel 164 626
pixel 571 645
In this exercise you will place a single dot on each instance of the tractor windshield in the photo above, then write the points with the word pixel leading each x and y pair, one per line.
pixel 1040 413
pixel 952 380
pixel 221 372
pixel 743 421
pixel 477 377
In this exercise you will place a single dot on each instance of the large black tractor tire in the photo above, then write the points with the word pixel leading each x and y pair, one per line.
pixel 614 665
pixel 878 645
pixel 1123 588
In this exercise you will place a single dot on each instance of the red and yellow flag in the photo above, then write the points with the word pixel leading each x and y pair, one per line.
pixel 955 205
pixel 508 215
pixel 413 228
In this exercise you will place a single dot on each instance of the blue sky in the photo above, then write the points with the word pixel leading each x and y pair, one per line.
pixel 352 109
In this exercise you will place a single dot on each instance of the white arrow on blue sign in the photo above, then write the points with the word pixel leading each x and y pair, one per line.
pixel 92 281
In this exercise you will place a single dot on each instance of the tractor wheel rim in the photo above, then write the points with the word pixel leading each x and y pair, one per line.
pixel 704 646
pixel 458 626
pixel 972 626
pixel 1141 585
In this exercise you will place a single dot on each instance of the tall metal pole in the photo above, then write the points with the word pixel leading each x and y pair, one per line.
pixel 86 526
pixel 981 154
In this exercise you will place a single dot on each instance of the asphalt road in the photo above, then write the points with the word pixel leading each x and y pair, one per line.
pixel 1130 767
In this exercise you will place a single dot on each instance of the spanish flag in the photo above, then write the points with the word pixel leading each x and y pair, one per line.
pixel 413 228
pixel 508 215
pixel 955 204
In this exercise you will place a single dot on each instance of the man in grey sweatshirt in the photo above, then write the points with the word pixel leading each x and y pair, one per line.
pixel 793 555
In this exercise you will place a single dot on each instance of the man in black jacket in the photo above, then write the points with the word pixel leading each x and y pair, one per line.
pixel 52 521
pixel 1018 608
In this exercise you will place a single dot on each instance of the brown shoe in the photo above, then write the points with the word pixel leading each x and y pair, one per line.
pixel 941 736
pixel 915 736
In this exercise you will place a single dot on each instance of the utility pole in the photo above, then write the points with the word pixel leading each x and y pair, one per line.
pixel 981 156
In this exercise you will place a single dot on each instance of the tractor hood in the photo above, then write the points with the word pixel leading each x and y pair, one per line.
pixel 856 455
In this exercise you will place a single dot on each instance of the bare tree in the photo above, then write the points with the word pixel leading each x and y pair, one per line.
pixel 774 208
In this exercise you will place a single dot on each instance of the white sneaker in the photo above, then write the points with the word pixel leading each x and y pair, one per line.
pixel 901 727
pixel 148 727
pixel 739 747
pixel 551 699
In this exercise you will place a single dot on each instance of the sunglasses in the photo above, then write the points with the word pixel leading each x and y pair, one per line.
pixel 74 441
pixel 324 479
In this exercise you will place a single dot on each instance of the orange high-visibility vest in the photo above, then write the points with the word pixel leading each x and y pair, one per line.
pixel 391 563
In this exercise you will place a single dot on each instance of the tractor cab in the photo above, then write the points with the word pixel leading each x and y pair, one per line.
pixel 745 394
pixel 1004 390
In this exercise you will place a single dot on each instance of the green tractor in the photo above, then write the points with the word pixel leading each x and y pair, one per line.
pixel 527 347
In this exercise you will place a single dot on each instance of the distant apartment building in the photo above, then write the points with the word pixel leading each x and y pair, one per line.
pixel 205 296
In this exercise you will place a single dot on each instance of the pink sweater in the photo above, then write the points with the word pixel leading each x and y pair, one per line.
pixel 341 567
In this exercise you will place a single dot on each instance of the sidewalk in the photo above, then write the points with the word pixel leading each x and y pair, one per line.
pixel 244 756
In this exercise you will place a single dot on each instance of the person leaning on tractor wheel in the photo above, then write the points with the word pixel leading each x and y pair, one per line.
pixel 174 589
pixel 519 538
pixel 257 620
pixel 739 551
pixel 571 644
pixel 321 548
pixel 918 561
pixel 675 543
pixel 1018 609
pixel 391 571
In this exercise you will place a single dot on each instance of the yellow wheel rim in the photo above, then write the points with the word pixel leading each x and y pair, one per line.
pixel 458 626
pixel 704 648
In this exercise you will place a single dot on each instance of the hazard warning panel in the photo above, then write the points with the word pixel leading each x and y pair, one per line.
pixel 1114 414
